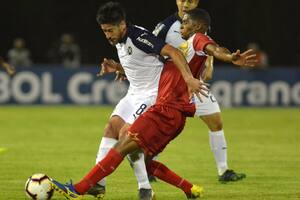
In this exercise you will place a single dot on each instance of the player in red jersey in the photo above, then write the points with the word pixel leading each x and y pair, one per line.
pixel 162 122
pixel 208 110
pixel 8 68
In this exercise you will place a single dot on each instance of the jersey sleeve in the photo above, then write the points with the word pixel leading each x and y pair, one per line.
pixel 161 30
pixel 148 43
pixel 200 41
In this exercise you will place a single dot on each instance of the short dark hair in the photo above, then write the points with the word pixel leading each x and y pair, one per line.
pixel 110 13
pixel 200 15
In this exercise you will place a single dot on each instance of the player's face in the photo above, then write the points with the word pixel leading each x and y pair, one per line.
pixel 186 5
pixel 114 32
pixel 187 28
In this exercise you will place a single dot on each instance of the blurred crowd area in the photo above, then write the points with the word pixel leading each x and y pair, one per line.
pixel 66 52
pixel 65 32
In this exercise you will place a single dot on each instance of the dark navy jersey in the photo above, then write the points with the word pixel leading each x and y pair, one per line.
pixel 169 30
pixel 144 40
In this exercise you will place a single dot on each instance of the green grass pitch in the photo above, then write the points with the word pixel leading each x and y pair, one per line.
pixel 62 142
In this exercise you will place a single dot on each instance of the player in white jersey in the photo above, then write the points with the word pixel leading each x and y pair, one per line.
pixel 208 110
pixel 138 52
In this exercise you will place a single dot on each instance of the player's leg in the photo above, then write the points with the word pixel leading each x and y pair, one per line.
pixel 209 111
pixel 127 110
pixel 108 164
pixel 110 138
pixel 160 171
pixel 158 127
pixel 111 131
pixel 103 168
pixel 217 140
pixel 137 162
pixel 152 178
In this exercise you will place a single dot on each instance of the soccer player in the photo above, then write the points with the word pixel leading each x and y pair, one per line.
pixel 8 68
pixel 138 52
pixel 208 110
pixel 162 122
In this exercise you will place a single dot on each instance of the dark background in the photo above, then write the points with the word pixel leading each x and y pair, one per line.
pixel 272 24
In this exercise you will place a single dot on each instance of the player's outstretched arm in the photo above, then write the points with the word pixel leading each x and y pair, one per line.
pixel 195 86
pixel 245 59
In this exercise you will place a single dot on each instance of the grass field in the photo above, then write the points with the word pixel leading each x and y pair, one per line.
pixel 62 142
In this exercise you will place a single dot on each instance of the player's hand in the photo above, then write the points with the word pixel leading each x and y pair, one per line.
pixel 197 87
pixel 120 76
pixel 108 66
pixel 246 59
pixel 9 68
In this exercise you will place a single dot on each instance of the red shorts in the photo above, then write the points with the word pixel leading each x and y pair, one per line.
pixel 155 128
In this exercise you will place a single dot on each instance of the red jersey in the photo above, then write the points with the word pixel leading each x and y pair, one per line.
pixel 162 122
pixel 172 90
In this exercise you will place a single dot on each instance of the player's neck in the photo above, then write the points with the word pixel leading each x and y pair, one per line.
pixel 124 32
pixel 202 31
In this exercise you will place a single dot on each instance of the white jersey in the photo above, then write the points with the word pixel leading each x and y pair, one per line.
pixel 138 53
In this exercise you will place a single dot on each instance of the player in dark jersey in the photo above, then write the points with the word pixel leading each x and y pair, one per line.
pixel 208 110
pixel 162 122
pixel 8 68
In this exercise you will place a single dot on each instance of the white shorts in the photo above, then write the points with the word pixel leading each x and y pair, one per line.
pixel 131 107
pixel 208 106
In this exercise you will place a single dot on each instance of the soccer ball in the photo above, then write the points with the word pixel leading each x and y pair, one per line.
pixel 38 187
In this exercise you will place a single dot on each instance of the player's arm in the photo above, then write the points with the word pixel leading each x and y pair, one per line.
pixel 209 69
pixel 195 85
pixel 245 59
pixel 150 44
pixel 111 66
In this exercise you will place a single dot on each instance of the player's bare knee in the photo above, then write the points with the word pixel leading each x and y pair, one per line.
pixel 213 121
pixel 216 125
pixel 109 131
pixel 113 127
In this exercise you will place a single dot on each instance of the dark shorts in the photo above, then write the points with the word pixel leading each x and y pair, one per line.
pixel 155 128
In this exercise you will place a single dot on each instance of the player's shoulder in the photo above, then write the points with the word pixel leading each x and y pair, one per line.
pixel 201 36
pixel 144 40
pixel 135 31
pixel 163 27
pixel 200 41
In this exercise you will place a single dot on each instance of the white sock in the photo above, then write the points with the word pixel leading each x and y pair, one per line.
pixel 105 145
pixel 219 148
pixel 140 171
